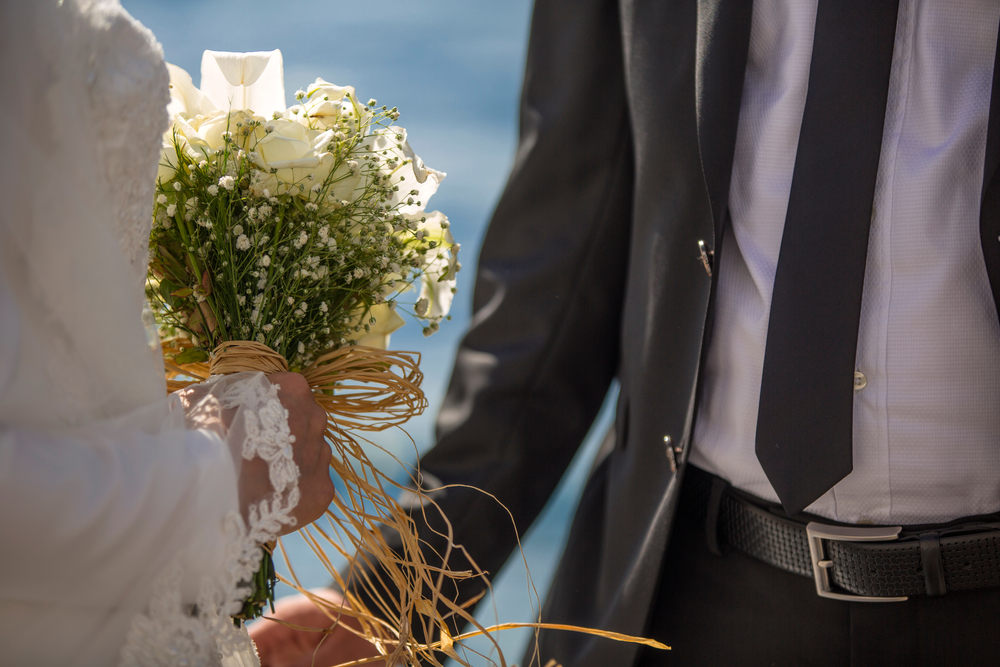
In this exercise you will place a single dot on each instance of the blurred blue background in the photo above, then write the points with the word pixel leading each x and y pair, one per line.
pixel 453 68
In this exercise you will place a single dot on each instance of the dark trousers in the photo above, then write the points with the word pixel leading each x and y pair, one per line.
pixel 735 610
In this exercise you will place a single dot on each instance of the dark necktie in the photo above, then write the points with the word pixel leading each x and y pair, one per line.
pixel 805 416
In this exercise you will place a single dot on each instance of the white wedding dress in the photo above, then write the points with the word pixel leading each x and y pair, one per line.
pixel 122 537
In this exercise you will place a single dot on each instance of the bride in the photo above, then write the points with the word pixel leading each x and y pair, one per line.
pixel 129 518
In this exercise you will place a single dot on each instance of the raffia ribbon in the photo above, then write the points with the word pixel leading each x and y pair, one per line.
pixel 236 356
pixel 367 389
pixel 361 388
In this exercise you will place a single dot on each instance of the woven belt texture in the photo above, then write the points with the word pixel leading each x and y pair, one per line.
pixel 969 552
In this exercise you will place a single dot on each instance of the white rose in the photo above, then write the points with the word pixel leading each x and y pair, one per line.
pixel 185 99
pixel 299 156
pixel 386 322
pixel 324 103
pixel 180 136
pixel 213 127
pixel 168 160
pixel 262 184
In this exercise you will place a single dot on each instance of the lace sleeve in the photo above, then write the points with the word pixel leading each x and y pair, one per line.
pixel 258 429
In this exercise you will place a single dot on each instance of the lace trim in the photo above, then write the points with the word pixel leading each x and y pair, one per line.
pixel 172 633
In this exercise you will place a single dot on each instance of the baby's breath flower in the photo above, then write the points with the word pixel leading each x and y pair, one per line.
pixel 264 210
pixel 421 307
pixel 237 230
pixel 171 210
pixel 177 186
pixel 243 243
pixel 311 207
pixel 213 189
pixel 228 182
pixel 265 260
pixel 242 300
pixel 267 328
pixel 161 199
pixel 290 301
pixel 302 347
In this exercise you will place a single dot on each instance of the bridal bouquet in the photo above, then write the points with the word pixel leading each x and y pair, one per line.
pixel 303 230
pixel 292 238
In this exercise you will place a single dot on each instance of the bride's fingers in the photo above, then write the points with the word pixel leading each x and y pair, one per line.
pixel 307 422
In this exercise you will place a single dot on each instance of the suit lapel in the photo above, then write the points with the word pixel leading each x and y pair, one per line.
pixel 989 216
pixel 722 45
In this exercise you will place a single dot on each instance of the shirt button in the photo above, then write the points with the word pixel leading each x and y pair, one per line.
pixel 860 381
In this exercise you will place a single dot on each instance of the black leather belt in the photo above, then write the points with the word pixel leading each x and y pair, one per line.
pixel 852 562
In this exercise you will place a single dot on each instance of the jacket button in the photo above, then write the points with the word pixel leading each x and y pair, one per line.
pixel 672 452
pixel 706 257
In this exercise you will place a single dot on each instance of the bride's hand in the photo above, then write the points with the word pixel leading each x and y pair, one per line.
pixel 281 646
pixel 307 422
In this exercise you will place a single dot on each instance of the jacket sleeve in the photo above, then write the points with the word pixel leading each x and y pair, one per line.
pixel 543 346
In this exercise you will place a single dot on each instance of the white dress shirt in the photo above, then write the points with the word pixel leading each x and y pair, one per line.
pixel 927 421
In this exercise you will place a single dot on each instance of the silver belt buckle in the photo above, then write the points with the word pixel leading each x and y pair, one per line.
pixel 817 532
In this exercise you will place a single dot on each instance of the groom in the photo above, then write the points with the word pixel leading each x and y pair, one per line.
pixel 776 224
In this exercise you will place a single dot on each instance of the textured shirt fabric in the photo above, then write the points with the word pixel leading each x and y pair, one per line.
pixel 927 422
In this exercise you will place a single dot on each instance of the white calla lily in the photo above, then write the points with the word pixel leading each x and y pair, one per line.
pixel 253 80
pixel 387 321
pixel 419 182
pixel 437 283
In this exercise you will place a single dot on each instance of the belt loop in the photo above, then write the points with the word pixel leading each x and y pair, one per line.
pixel 930 556
pixel 719 487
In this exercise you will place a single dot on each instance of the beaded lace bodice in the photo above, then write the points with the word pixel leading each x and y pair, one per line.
pixel 128 90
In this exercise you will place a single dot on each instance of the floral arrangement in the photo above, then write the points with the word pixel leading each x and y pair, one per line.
pixel 302 231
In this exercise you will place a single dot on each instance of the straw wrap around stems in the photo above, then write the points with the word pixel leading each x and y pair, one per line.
pixel 365 389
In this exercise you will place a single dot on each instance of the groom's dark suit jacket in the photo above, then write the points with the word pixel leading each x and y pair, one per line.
pixel 591 270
